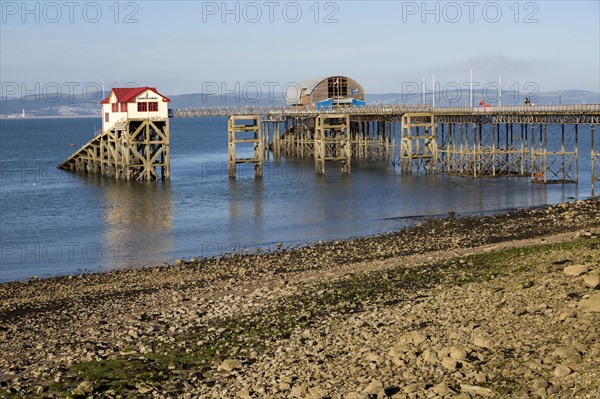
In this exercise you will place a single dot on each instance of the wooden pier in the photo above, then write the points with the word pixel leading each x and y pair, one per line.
pixel 540 142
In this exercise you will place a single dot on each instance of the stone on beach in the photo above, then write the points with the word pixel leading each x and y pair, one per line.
pixel 592 279
pixel 230 365
pixel 591 303
pixel 575 270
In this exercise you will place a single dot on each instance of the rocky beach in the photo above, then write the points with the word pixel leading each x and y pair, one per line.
pixel 501 306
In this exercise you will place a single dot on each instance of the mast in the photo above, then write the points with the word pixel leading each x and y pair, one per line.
pixel 471 90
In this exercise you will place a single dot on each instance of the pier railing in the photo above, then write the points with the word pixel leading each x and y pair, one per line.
pixel 383 109
pixel 521 109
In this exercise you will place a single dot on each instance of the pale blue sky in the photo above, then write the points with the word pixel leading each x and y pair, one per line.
pixel 182 46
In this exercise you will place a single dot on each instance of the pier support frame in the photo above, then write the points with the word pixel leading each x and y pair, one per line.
pixel 332 142
pixel 481 146
pixel 418 145
pixel 372 139
pixel 298 138
pixel 133 149
pixel 247 132
pixel 555 162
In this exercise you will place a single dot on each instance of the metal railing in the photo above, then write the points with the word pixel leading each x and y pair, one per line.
pixel 381 109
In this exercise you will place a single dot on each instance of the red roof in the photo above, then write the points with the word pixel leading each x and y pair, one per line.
pixel 128 94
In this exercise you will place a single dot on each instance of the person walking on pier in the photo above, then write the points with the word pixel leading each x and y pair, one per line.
pixel 526 101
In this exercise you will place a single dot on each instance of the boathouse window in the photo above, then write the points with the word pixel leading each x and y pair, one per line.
pixel 123 107
pixel 115 107
pixel 151 107
pixel 337 87
pixel 106 117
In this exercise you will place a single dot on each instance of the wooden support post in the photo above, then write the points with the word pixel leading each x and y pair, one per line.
pixel 166 150
pixel 332 142
pixel 418 150
pixel 393 143
pixel 576 153
pixel 544 131
pixel 276 141
pixel 245 133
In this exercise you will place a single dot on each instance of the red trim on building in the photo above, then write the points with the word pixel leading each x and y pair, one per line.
pixel 128 94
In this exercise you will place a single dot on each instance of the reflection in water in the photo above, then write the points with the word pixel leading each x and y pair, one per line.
pixel 246 213
pixel 334 200
pixel 539 195
pixel 440 194
pixel 139 221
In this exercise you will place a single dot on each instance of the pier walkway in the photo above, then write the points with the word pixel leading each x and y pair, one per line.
pixel 388 110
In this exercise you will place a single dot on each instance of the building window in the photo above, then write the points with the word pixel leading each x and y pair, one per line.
pixel 337 87
pixel 106 117
pixel 123 107
pixel 153 107
pixel 115 107
pixel 142 107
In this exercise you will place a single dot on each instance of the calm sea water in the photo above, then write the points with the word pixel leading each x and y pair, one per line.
pixel 57 223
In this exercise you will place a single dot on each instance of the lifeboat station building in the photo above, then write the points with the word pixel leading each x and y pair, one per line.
pixel 133 103
pixel 327 92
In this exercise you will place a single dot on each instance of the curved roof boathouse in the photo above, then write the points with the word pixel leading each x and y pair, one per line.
pixel 327 92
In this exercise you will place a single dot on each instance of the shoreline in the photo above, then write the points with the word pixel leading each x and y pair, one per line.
pixel 84 334
pixel 273 247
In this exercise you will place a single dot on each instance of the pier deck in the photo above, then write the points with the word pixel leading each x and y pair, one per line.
pixel 591 110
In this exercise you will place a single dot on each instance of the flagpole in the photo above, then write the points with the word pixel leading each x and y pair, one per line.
pixel 471 89
pixel 433 90
pixel 500 83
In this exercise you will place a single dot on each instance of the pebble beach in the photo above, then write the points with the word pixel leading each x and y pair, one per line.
pixel 501 306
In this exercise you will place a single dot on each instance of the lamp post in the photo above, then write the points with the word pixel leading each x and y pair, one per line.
pixel 559 98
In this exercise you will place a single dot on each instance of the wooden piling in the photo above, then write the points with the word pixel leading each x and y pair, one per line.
pixel 332 142
pixel 248 132
pixel 418 145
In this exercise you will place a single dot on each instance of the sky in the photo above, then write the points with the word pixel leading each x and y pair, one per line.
pixel 214 46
